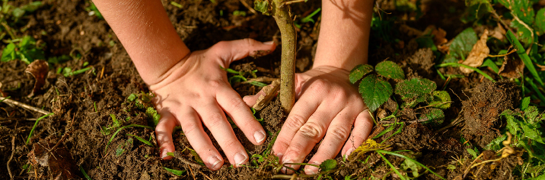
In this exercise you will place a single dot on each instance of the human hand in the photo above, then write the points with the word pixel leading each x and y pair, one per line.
pixel 195 91
pixel 328 105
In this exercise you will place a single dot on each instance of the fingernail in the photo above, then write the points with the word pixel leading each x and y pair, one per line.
pixel 213 161
pixel 269 42
pixel 284 169
pixel 279 155
pixel 311 169
pixel 348 152
pixel 240 158
pixel 259 136
pixel 164 154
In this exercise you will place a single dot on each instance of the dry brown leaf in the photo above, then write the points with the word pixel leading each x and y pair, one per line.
pixel 477 54
pixel 439 36
pixel 511 68
pixel 58 160
pixel 38 69
pixel 498 32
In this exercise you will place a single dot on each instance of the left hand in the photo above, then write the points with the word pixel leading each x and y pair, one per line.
pixel 328 105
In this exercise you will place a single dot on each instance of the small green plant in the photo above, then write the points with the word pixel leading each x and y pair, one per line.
pixel 527 129
pixel 242 76
pixel 175 171
pixel 26 50
pixel 374 89
pixel 127 145
pixel 118 130
pixel 34 127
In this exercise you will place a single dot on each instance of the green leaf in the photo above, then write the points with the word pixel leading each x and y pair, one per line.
pixel 257 83
pixel 153 115
pixel 462 44
pixel 131 97
pixel 531 132
pixel 475 10
pixel 18 12
pixel 141 140
pixel 410 165
pixel 415 87
pixel 521 9
pixel 525 103
pixel 9 53
pixel 524 32
pixel 329 164
pixel 175 171
pixel 531 114
pixel 511 124
pixel 490 64
pixel 435 116
pixel 375 91
pixel 262 6
pixel 359 71
pixel 539 23
pixel 472 152
pixel 33 6
pixel 390 69
pixel 523 56
pixel 441 100
pixel 496 144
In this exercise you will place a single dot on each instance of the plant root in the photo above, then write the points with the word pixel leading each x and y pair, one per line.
pixel 506 151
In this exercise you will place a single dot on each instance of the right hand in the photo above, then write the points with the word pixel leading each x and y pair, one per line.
pixel 195 91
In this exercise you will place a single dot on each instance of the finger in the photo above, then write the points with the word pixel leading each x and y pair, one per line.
pixel 233 105
pixel 250 100
pixel 214 119
pixel 199 140
pixel 298 116
pixel 234 50
pixel 362 128
pixel 336 136
pixel 163 132
pixel 309 135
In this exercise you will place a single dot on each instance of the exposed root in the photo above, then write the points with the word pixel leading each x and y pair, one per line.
pixel 505 153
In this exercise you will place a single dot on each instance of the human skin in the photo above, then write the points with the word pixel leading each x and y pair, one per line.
pixel 193 90
pixel 328 106
pixel 190 87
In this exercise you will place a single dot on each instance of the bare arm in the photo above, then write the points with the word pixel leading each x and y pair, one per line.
pixel 344 33
pixel 145 31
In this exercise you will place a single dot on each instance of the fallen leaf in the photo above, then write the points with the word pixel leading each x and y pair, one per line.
pixel 38 69
pixel 439 36
pixel 58 160
pixel 498 32
pixel 477 54
pixel 511 68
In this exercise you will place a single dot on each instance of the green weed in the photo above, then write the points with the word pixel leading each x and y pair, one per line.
pixel 36 124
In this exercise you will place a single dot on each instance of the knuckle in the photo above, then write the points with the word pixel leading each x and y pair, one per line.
pixel 214 120
pixel 232 143
pixel 340 133
pixel 189 128
pixel 237 103
pixel 295 121
pixel 312 130
pixel 215 83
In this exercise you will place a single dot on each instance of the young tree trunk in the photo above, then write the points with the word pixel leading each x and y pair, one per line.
pixel 289 40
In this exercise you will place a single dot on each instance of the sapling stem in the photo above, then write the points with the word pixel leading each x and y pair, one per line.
pixel 287 69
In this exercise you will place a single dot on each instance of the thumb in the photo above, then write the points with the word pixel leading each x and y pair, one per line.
pixel 231 51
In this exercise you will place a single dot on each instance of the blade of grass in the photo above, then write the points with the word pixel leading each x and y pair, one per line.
pixel 469 67
pixel 535 88
pixel 523 56
pixel 402 124
pixel 84 173
pixel 390 128
pixel 36 124
pixel 128 126
pixel 1 100
pixel 416 162
pixel 392 166
pixel 141 140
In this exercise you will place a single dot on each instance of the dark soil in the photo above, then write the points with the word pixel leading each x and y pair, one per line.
pixel 83 105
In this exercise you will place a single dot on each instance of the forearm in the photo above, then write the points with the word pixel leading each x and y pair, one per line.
pixel 344 33
pixel 147 34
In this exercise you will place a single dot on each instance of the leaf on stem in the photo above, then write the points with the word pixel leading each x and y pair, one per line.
pixel 390 69
pixel 359 71
pixel 461 45
pixel 415 87
pixel 375 91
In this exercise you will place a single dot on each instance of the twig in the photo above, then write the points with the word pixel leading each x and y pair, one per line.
pixel 11 157
pixel 191 171
pixel 250 8
pixel 178 156
pixel 28 107
pixel 18 119
pixel 205 175
pixel 8 29
pixel 259 79
pixel 65 134
pixel 282 176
